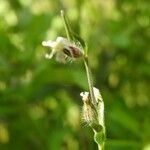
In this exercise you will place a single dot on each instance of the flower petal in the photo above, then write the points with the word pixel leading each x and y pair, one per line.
pixel 49 43
pixel 85 96
pixel 49 56
pixel 61 57
pixel 64 41
pixel 97 94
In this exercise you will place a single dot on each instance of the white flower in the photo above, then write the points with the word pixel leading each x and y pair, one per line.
pixel 62 48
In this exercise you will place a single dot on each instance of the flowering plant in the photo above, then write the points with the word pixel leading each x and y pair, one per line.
pixel 93 105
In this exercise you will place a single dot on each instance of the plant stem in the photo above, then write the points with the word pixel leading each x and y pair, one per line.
pixel 99 136
pixel 90 81
pixel 66 25
pixel 85 59
pixel 100 147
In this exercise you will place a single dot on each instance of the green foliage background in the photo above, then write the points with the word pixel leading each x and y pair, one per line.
pixel 40 106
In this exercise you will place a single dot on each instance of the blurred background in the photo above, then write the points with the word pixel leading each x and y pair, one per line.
pixel 40 106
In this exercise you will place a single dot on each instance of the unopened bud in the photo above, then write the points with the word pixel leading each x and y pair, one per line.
pixel 89 113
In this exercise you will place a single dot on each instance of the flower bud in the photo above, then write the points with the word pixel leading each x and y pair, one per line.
pixel 89 113
pixel 93 114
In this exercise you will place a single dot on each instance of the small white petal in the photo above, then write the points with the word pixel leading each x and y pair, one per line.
pixel 64 41
pixel 46 43
pixel 97 94
pixel 49 43
pixel 84 96
pixel 48 56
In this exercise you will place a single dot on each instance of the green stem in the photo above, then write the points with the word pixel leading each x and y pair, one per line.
pixel 100 147
pixel 99 136
pixel 90 81
pixel 66 25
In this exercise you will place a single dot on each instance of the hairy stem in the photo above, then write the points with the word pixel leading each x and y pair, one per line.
pixel 90 80
pixel 99 128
